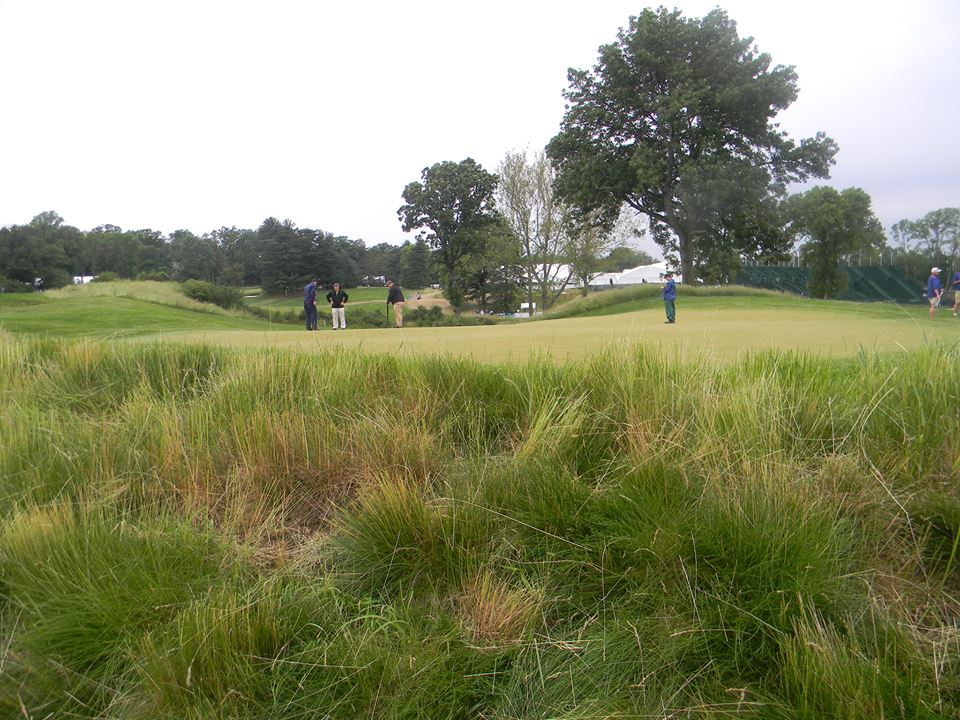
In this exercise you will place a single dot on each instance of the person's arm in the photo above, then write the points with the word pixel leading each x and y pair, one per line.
pixel 345 298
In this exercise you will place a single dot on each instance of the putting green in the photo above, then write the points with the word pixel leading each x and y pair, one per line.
pixel 715 326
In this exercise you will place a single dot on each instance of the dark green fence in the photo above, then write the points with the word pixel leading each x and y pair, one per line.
pixel 881 283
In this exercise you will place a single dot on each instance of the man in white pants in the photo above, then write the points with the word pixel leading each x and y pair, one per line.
pixel 337 299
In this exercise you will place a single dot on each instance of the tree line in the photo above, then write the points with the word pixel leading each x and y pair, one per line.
pixel 277 256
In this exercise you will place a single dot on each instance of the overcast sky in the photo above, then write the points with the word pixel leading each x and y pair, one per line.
pixel 207 113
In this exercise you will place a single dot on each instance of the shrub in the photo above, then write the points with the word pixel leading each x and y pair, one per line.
pixel 10 285
pixel 155 275
pixel 106 277
pixel 284 317
pixel 202 291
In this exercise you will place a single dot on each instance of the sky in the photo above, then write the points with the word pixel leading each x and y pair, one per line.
pixel 203 114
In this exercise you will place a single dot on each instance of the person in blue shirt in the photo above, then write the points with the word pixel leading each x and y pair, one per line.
pixel 955 286
pixel 933 290
pixel 669 293
pixel 310 304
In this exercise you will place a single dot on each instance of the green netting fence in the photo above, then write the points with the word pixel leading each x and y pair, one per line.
pixel 880 283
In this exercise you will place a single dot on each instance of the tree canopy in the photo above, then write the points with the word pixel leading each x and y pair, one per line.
pixel 834 224
pixel 451 205
pixel 676 120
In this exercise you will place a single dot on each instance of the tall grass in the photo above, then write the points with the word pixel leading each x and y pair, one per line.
pixel 196 532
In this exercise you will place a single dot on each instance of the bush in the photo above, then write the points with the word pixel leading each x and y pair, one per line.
pixel 106 277
pixel 285 317
pixel 9 285
pixel 155 275
pixel 202 291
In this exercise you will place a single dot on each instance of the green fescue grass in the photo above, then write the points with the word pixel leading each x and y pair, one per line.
pixel 191 531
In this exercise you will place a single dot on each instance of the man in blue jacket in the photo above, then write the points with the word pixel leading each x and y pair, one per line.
pixel 669 293
pixel 310 304
pixel 933 290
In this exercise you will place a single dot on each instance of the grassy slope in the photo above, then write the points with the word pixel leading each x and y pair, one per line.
pixel 194 532
pixel 117 310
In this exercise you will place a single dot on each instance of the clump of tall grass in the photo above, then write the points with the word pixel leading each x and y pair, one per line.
pixel 191 532
pixel 82 585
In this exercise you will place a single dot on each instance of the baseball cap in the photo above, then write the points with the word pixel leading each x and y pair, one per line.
pixel 934 269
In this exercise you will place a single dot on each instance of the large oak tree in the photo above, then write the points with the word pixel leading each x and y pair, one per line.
pixel 676 120
pixel 451 205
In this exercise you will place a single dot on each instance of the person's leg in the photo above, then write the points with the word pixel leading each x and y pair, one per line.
pixel 670 309
pixel 933 306
pixel 398 314
pixel 307 309
pixel 333 318
pixel 343 318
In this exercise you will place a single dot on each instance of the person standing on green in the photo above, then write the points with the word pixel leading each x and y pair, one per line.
pixel 933 290
pixel 395 298
pixel 310 304
pixel 337 299
pixel 669 293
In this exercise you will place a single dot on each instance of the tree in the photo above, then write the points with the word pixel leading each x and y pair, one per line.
pixel 38 250
pixel 589 240
pixel 538 219
pixel 195 258
pixel 382 262
pixel 937 233
pixel 415 264
pixel 450 206
pixel 286 256
pixel 834 224
pixel 623 257
pixel 676 121
pixel 492 266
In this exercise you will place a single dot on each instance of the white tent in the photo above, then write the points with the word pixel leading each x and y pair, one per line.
pixel 633 276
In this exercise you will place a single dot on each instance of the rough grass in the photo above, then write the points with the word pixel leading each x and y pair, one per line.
pixel 196 532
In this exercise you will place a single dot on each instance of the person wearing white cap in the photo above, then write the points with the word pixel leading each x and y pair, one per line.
pixel 933 290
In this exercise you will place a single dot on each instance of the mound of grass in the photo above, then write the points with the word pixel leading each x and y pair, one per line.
pixel 199 532
pixel 629 299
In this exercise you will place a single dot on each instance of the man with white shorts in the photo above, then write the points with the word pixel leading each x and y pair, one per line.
pixel 933 290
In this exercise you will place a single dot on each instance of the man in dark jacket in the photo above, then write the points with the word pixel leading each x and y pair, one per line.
pixel 669 293
pixel 310 304
pixel 395 298
pixel 337 299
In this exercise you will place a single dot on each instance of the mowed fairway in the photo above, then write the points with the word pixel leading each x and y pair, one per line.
pixel 724 327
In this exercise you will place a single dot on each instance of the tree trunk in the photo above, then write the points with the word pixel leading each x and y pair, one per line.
pixel 686 257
